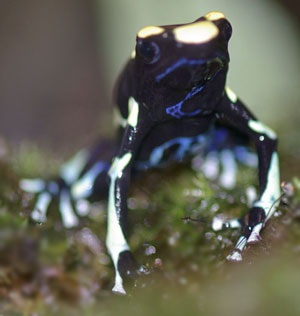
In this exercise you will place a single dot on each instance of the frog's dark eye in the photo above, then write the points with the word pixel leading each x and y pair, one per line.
pixel 149 51
pixel 226 29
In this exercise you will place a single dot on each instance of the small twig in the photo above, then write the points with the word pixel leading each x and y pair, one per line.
pixel 277 200
pixel 190 219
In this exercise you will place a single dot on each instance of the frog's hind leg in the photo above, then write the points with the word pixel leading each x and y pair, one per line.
pixel 223 152
pixel 82 178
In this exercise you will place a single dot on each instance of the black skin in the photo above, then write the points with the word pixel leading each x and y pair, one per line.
pixel 180 91
pixel 139 79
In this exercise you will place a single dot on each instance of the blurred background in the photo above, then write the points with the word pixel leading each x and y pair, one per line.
pixel 59 60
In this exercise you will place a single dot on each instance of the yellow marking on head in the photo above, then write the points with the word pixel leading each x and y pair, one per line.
pixel 149 31
pixel 196 33
pixel 214 15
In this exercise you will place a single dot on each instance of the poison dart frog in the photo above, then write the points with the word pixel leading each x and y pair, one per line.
pixel 171 99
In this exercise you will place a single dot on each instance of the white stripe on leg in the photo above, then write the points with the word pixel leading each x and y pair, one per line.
pixel 41 206
pixel 115 240
pixel 69 218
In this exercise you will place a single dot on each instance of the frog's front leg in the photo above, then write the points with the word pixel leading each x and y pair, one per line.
pixel 125 265
pixel 232 111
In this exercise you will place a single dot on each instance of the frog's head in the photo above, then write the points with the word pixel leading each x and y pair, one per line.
pixel 183 57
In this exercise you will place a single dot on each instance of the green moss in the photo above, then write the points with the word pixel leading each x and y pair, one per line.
pixel 46 269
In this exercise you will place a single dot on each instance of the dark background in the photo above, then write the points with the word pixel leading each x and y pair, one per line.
pixel 53 85
pixel 51 82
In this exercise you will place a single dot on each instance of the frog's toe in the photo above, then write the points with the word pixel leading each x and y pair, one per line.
pixel 227 177
pixel 66 209
pixel 210 166
pixel 252 223
pixel 255 234
pixel 32 185
pixel 235 256
pixel 39 213
pixel 127 272
pixel 219 223
pixel 38 186
pixel 46 192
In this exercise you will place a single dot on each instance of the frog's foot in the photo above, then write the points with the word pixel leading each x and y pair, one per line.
pixel 46 192
pixel 254 222
pixel 221 165
pixel 220 223
pixel 79 179
pixel 127 271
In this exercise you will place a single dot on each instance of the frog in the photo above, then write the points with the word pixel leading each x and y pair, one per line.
pixel 171 99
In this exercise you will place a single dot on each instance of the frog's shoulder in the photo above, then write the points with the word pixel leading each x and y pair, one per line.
pixel 124 88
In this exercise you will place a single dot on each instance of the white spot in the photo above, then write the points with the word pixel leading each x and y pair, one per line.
pixel 84 186
pixel 217 223
pixel 259 127
pixel 149 31
pixel 251 195
pixel 150 250
pixel 196 33
pixel 241 243
pixel 133 110
pixel 210 167
pixel 235 256
pixel 70 170
pixel 268 200
pixel 231 95
pixel 115 239
pixel 69 218
pixel 229 169
pixel 32 185
pixel 83 207
pixel 233 223
pixel 118 287
pixel 41 206
pixel 133 53
pixel 214 15
pixel 118 165
pixel 255 237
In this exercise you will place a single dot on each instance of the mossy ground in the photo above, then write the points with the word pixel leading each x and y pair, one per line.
pixel 48 270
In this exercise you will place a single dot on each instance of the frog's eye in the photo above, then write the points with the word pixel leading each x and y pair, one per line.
pixel 148 50
pixel 226 29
